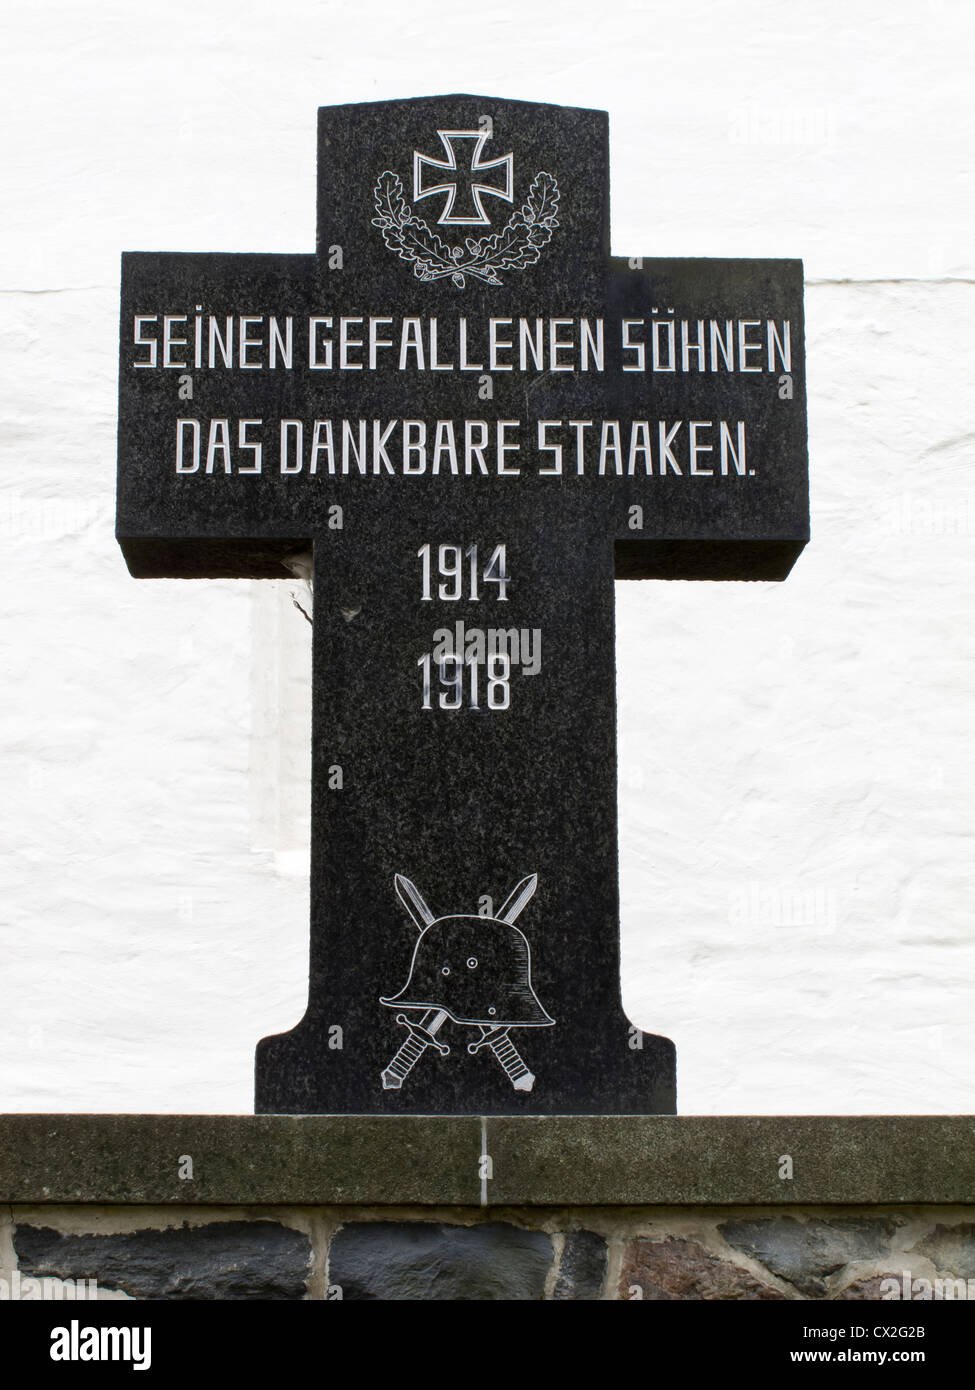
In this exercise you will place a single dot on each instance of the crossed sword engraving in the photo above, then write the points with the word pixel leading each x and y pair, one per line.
pixel 424 1034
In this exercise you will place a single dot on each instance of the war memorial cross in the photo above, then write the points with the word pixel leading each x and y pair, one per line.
pixel 477 420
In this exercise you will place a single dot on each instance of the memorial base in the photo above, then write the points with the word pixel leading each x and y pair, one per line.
pixel 578 1207
pixel 614 1070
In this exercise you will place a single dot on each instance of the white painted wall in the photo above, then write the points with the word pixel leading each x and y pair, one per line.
pixel 797 753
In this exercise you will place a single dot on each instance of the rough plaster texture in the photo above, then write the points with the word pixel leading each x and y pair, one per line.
pixel 796 814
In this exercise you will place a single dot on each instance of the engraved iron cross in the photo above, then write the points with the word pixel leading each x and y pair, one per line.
pixel 492 177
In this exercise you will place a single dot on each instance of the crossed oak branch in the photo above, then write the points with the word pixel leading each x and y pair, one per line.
pixel 516 246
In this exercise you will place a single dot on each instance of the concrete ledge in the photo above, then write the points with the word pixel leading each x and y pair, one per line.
pixel 735 1160
pixel 436 1161
pixel 238 1159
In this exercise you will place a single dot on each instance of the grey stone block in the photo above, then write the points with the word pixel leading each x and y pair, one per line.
pixel 421 1260
pixel 222 1260
pixel 951 1249
pixel 240 1159
pixel 588 1160
pixel 806 1253
pixel 582 1269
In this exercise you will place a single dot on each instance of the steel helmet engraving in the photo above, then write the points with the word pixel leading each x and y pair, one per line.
pixel 475 971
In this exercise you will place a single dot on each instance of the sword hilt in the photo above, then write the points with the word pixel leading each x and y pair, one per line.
pixel 509 1057
pixel 410 1052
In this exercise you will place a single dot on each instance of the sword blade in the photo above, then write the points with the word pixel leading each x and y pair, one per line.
pixel 412 899
pixel 518 898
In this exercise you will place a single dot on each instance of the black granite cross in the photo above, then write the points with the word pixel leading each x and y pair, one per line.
pixel 476 430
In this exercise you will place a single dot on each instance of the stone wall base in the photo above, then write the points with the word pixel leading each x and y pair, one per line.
pixel 744 1253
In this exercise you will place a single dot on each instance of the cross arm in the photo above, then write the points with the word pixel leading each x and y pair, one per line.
pixel 706 559
pixel 206 339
